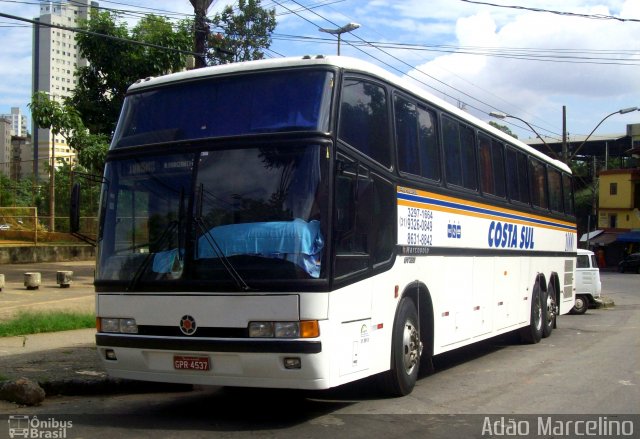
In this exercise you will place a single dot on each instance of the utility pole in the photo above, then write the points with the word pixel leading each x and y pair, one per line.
pixel 52 189
pixel 200 8
pixel 565 150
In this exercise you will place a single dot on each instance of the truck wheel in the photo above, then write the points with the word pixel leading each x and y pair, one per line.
pixel 406 349
pixel 533 333
pixel 581 305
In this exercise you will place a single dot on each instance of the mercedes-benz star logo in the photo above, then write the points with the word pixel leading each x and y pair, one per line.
pixel 188 325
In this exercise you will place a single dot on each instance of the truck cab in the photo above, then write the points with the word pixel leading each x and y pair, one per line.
pixel 588 285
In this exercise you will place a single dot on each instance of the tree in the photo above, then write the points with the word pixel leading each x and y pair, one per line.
pixel 504 129
pixel 114 65
pixel 63 119
pixel 244 35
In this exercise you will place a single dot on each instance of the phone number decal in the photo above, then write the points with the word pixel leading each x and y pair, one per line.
pixel 415 226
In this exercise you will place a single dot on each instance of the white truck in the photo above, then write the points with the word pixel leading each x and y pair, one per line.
pixel 588 285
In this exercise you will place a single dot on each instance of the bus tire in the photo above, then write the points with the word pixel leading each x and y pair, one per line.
pixel 581 305
pixel 548 311
pixel 406 349
pixel 532 333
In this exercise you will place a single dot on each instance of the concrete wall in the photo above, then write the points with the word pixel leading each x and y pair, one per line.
pixel 47 253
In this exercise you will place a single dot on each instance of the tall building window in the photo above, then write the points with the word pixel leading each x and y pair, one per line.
pixel 613 188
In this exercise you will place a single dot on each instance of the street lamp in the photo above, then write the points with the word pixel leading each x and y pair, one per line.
pixel 341 30
pixel 623 111
pixel 498 115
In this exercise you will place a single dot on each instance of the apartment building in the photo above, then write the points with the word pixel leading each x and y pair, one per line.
pixel 5 145
pixel 55 59
pixel 18 121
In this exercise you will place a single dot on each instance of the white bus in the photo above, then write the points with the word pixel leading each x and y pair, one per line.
pixel 307 222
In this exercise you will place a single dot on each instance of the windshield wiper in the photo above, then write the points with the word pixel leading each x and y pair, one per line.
pixel 142 268
pixel 205 229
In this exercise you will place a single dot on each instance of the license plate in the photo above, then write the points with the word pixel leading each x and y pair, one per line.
pixel 190 363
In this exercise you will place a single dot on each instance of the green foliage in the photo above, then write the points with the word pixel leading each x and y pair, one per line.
pixel 64 119
pixel 18 193
pixel 245 33
pixel 504 129
pixel 115 65
pixel 32 322
pixel 64 179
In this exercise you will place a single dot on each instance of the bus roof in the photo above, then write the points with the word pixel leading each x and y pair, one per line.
pixel 348 63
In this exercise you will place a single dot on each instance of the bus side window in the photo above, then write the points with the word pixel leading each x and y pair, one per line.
pixel 416 139
pixel 468 157
pixel 460 154
pixel 486 165
pixel 523 181
pixel 567 191
pixel 365 220
pixel 429 148
pixel 364 119
pixel 407 136
pixel 491 158
pixel 538 179
pixel 451 138
pixel 555 190
pixel 497 154
pixel 517 181
pixel 344 203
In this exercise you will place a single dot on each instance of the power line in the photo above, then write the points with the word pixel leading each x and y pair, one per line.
pixel 567 14
pixel 111 37
pixel 482 89
pixel 563 55
pixel 404 63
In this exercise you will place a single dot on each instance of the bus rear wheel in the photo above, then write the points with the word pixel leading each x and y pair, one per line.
pixel 549 311
pixel 532 333
pixel 406 349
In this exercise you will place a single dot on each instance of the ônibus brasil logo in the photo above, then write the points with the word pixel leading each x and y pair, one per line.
pixel 32 427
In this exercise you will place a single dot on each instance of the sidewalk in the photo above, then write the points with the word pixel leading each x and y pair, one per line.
pixel 57 360
pixel 62 363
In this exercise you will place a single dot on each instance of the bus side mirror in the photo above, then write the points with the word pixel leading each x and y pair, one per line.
pixel 74 209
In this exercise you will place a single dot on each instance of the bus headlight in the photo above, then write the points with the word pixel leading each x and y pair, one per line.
pixel 287 330
pixel 128 326
pixel 261 329
pixel 303 329
pixel 113 324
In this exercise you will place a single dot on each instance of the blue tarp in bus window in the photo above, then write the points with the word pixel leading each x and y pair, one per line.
pixel 165 261
pixel 297 241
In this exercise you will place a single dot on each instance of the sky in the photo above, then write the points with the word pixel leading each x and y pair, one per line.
pixel 525 58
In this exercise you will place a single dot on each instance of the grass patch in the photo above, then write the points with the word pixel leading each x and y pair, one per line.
pixel 32 322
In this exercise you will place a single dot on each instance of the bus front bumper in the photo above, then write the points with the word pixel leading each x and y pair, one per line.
pixel 230 362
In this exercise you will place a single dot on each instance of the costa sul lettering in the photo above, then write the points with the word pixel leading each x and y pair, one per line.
pixel 505 235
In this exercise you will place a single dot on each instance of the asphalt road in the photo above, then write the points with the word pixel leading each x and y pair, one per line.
pixel 590 366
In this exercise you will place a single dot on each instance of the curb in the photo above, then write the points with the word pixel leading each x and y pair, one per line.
pixel 104 386
pixel 107 386
pixel 604 302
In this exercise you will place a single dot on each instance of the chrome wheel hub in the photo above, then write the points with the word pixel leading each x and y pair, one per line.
pixel 411 347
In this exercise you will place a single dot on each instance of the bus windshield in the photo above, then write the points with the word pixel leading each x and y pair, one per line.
pixel 298 100
pixel 188 218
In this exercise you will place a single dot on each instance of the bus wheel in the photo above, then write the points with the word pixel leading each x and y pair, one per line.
pixel 581 305
pixel 548 311
pixel 406 349
pixel 533 333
